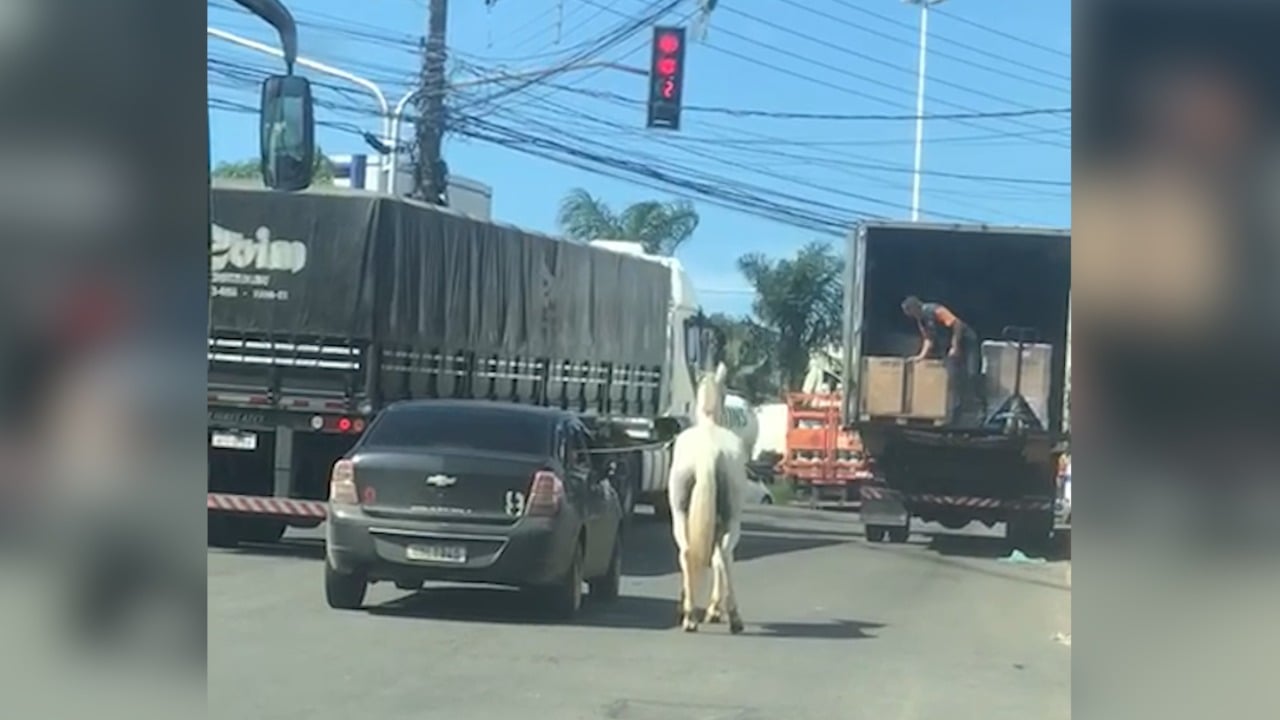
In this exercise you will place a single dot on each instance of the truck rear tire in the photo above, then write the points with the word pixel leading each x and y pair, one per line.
pixel 1030 532
pixel 225 531
pixel 263 530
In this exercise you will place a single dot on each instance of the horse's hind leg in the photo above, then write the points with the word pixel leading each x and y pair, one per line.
pixel 689 576
pixel 724 559
pixel 715 608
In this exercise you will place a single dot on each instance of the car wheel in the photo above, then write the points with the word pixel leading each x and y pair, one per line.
pixel 899 535
pixel 876 533
pixel 564 599
pixel 607 587
pixel 344 591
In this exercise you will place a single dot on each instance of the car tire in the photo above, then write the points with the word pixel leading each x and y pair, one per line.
pixel 344 591
pixel 564 599
pixel 899 535
pixel 876 533
pixel 607 587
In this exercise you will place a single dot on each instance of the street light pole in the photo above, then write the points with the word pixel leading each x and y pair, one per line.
pixel 397 115
pixel 920 75
pixel 384 110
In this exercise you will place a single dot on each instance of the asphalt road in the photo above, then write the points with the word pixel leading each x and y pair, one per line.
pixel 836 628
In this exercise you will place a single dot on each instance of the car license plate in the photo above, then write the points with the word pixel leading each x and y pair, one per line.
pixel 437 553
pixel 234 440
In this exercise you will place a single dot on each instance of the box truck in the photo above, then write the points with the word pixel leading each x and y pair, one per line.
pixel 994 458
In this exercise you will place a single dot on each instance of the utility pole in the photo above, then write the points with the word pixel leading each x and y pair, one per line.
pixel 920 75
pixel 430 174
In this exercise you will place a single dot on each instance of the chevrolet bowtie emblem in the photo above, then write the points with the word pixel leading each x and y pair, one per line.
pixel 441 480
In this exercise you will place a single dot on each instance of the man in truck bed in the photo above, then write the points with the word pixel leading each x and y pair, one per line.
pixel 939 327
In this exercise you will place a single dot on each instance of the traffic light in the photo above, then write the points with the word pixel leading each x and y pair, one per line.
pixel 666 78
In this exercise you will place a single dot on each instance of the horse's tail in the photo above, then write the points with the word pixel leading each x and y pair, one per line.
pixel 702 503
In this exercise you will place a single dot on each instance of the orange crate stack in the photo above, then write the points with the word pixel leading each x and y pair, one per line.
pixel 819 451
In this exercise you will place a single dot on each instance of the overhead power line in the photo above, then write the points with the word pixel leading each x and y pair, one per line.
pixel 785 115
pixel 912 42
pixel 843 48
pixel 944 38
pixel 1001 33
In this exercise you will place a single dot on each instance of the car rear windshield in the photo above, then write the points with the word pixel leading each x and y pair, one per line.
pixel 485 429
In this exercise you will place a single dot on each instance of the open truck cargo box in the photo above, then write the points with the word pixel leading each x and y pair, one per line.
pixel 992 278
pixel 366 299
pixel 956 471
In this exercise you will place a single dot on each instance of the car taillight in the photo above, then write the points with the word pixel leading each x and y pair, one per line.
pixel 545 494
pixel 342 484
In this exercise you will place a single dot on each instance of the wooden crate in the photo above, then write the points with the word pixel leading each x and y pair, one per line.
pixel 882 386
pixel 928 390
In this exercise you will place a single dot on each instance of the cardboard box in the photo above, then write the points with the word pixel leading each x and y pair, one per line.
pixel 928 390
pixel 883 379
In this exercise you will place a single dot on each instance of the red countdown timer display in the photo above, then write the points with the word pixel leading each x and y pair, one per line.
pixel 666 78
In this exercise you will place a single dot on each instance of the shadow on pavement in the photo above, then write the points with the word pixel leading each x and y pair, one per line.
pixel 629 612
pixel 500 605
pixel 300 548
pixel 994 547
pixel 829 630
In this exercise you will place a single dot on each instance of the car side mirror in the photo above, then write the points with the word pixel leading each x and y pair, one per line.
pixel 287 133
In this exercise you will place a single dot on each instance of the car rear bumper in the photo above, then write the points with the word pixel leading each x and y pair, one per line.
pixel 534 551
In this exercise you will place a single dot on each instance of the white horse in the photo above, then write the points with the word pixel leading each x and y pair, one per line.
pixel 706 490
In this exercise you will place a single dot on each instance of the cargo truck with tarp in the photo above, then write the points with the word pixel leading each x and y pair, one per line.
pixel 329 304
pixel 990 456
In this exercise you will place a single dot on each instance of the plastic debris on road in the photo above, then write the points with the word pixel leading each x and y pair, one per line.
pixel 1021 558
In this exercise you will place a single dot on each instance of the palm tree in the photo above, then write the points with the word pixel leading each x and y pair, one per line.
pixel 660 227
pixel 800 301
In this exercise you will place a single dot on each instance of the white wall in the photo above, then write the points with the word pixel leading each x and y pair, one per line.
pixel 771 421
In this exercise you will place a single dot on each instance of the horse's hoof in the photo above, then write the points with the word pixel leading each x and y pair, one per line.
pixel 735 624
pixel 713 616
pixel 690 626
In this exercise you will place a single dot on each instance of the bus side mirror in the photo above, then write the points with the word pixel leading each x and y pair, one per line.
pixel 287 133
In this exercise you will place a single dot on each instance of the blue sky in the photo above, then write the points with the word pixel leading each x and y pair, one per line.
pixel 845 57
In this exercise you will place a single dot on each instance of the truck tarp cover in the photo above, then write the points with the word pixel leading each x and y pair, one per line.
pixel 350 264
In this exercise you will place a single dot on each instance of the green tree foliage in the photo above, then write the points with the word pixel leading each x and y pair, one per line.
pixel 800 301
pixel 250 170
pixel 660 227
pixel 749 355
